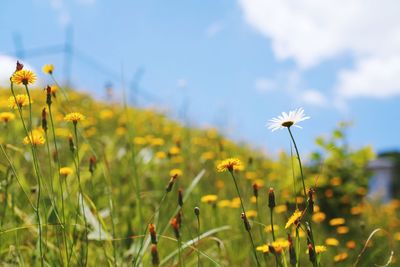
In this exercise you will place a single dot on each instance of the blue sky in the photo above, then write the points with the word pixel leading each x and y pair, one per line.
pixel 235 63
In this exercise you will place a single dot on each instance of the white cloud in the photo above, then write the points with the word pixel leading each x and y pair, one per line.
pixel 312 31
pixel 313 97
pixel 214 29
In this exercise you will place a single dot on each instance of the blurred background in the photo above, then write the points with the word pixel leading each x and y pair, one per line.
pixel 227 64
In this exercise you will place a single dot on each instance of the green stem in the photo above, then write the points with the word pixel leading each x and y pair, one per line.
pixel 244 211
pixel 60 182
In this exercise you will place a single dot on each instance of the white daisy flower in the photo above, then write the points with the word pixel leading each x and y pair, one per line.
pixel 287 120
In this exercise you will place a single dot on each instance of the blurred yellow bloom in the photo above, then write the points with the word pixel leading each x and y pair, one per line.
pixel 280 244
pixel 294 218
pixel 48 69
pixel 318 249
pixel 157 142
pixel 318 217
pixel 66 171
pixel 231 164
pixel 160 155
pixel 263 248
pixel 20 100
pixel 24 77
pixel 209 199
pixel 351 244
pixel 224 203
pixel 106 114
pixel 175 173
pixel 340 257
pixel 209 155
pixel 332 242
pixel 174 150
pixel 251 214
pixel 342 230
pixel 235 203
pixel 337 221
pixel 336 181
pixel 280 209
pixel 138 140
pixel 74 117
pixel 253 200
pixel 120 131
pixel 268 228
pixel 35 137
pixel 219 184
pixel 7 116
pixel 250 175
pixel 356 210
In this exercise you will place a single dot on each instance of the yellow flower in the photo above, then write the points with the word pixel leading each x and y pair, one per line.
pixel 209 199
pixel 280 208
pixel 318 217
pixel 294 218
pixel 24 77
pixel 6 116
pixel 341 257
pixel 251 214
pixel 106 114
pixel 160 155
pixel 48 69
pixel 332 242
pixel 280 244
pixel 320 249
pixel 138 140
pixel 19 101
pixel 230 164
pixel 263 248
pixel 235 203
pixel 66 171
pixel 209 155
pixel 224 203
pixel 337 221
pixel 175 173
pixel 351 244
pixel 35 137
pixel 174 150
pixel 157 142
pixel 74 117
pixel 53 89
pixel 268 228
pixel 342 230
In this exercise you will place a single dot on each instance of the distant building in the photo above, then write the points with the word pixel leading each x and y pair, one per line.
pixel 384 183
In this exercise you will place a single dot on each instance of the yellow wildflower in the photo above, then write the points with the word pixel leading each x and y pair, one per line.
pixel 294 218
pixel 7 116
pixel 268 228
pixel 280 209
pixel 48 69
pixel 24 77
pixel 263 248
pixel 20 100
pixel 224 203
pixel 175 173
pixel 341 257
pixel 337 221
pixel 342 230
pixel 209 199
pixel 230 164
pixel 332 242
pixel 66 171
pixel 318 217
pixel 251 214
pixel 35 137
pixel 74 117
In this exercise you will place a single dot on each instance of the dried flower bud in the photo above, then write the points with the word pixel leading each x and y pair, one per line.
pixel 153 235
pixel 92 164
pixel 311 253
pixel 175 226
pixel 19 67
pixel 255 190
pixel 197 211
pixel 311 200
pixel 271 198
pixel 44 120
pixel 48 95
pixel 171 183
pixel 155 260
pixel 247 225
pixel 292 252
pixel 180 197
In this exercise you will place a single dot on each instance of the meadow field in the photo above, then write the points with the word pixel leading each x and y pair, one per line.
pixel 91 183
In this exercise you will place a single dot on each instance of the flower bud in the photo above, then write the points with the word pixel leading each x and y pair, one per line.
pixel 44 120
pixel 197 211
pixel 19 66
pixel 271 198
pixel 255 190
pixel 155 260
pixel 153 235
pixel 180 197
pixel 247 225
